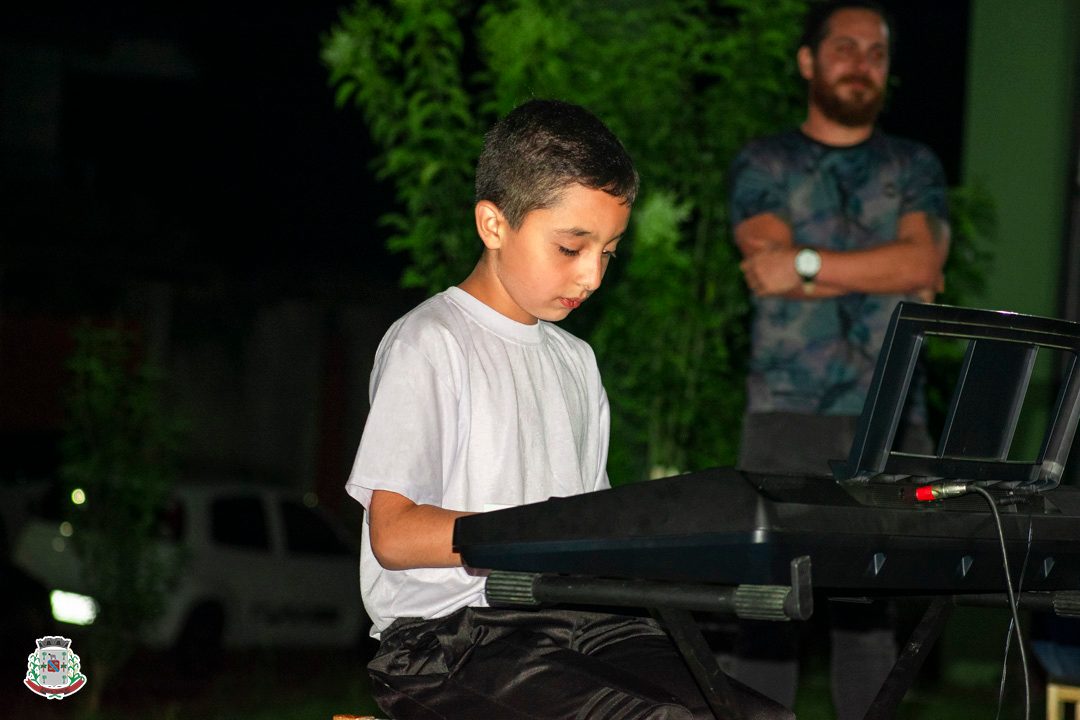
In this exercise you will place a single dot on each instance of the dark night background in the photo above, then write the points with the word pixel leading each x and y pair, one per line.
pixel 197 146
pixel 213 144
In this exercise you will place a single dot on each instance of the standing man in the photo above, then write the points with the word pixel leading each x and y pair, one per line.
pixel 837 222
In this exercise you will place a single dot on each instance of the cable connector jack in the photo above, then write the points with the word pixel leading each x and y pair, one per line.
pixel 942 490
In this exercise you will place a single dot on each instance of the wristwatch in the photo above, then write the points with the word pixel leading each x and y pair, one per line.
pixel 807 265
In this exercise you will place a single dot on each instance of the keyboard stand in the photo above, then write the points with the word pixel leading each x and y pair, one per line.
pixel 672 603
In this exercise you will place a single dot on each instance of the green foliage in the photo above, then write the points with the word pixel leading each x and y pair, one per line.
pixel 401 64
pixel 973 221
pixel 119 450
pixel 683 83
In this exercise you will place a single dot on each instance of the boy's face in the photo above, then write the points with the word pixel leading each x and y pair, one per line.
pixel 555 259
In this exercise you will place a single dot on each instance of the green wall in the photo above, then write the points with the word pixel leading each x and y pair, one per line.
pixel 1020 97
pixel 1021 94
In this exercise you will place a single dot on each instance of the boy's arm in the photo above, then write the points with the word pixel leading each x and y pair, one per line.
pixel 406 535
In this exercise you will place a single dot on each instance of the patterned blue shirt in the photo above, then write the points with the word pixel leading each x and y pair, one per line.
pixel 818 356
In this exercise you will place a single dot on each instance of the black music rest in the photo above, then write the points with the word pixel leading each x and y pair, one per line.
pixel 987 398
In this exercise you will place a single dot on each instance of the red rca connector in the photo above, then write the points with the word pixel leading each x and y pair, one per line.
pixel 941 490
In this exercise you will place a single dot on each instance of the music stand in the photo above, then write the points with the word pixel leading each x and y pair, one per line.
pixel 986 401
pixel 977 435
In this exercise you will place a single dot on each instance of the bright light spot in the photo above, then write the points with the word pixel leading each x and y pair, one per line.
pixel 311 499
pixel 78 496
pixel 58 544
pixel 69 607
pixel 66 529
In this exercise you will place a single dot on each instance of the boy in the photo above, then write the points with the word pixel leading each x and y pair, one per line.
pixel 479 402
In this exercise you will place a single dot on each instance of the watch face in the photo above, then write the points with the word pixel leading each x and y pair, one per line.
pixel 807 263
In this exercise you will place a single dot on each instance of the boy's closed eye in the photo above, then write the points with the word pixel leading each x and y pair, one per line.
pixel 569 252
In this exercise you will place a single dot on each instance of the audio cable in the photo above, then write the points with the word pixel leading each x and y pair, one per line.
pixel 956 488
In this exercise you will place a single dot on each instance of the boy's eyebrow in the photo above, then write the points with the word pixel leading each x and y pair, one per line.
pixel 582 232
pixel 575 231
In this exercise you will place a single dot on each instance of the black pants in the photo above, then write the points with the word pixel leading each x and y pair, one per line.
pixel 496 664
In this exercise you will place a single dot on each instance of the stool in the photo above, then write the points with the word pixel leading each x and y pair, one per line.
pixel 1057 697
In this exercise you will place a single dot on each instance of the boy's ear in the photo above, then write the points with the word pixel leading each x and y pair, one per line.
pixel 490 224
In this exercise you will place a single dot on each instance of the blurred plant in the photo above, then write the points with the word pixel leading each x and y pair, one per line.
pixel 401 64
pixel 683 83
pixel 973 221
pixel 119 463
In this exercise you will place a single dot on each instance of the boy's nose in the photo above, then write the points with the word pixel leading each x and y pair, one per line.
pixel 592 273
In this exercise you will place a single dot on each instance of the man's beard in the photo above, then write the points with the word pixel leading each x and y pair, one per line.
pixel 859 111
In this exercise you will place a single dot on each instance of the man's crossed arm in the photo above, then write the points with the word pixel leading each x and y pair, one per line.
pixel 910 264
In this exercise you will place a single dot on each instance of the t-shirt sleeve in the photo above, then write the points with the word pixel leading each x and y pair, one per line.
pixel 407 429
pixel 924 187
pixel 601 481
pixel 754 187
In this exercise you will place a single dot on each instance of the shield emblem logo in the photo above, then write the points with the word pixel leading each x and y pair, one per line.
pixel 55 662
pixel 53 669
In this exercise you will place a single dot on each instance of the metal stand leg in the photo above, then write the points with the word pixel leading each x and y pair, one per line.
pixel 911 660
pixel 700 659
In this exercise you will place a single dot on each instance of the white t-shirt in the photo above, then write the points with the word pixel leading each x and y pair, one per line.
pixel 471 410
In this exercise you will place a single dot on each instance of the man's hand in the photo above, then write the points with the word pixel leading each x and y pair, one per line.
pixel 771 272
pixel 752 244
pixel 928 294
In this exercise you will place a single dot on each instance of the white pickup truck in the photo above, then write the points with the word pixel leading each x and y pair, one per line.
pixel 260 566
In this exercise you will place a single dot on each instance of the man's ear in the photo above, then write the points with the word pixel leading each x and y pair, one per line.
pixel 805 59
pixel 491 225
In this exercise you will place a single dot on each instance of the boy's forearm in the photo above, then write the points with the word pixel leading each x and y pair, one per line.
pixel 405 535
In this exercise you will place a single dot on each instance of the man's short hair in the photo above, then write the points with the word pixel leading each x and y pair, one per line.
pixel 818 15
pixel 540 148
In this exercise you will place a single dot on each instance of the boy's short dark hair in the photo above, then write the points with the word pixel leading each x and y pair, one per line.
pixel 541 147
pixel 818 15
